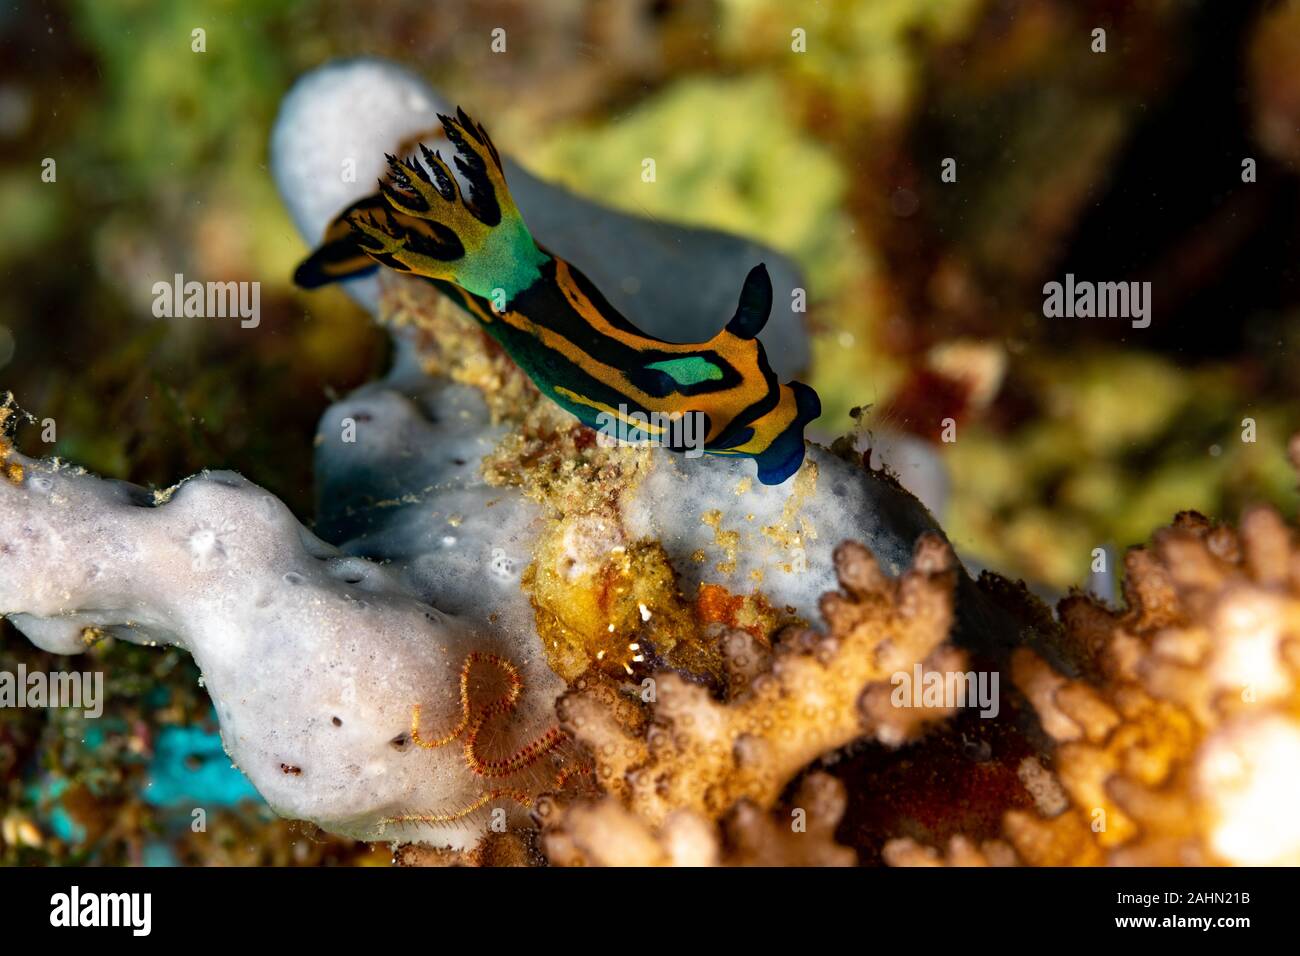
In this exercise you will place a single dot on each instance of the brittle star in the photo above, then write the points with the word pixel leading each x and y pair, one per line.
pixel 472 723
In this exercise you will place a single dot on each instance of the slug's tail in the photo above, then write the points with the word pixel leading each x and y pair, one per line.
pixel 423 222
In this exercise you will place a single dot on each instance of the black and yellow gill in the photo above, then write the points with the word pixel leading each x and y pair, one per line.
pixel 553 322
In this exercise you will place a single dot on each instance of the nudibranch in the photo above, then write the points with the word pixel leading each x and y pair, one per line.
pixel 554 323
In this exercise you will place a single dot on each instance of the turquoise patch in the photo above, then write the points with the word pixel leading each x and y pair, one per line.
pixel 190 766
pixel 689 371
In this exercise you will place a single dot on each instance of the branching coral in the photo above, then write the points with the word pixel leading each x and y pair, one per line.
pixel 1178 743
pixel 672 759
pixel 606 833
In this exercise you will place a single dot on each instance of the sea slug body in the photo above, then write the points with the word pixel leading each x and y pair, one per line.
pixel 554 323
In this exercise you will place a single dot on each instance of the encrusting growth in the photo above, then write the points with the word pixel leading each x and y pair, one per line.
pixel 674 766
pixel 1179 741
pixel 605 833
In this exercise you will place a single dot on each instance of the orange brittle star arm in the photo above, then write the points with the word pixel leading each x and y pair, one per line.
pixel 474 724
